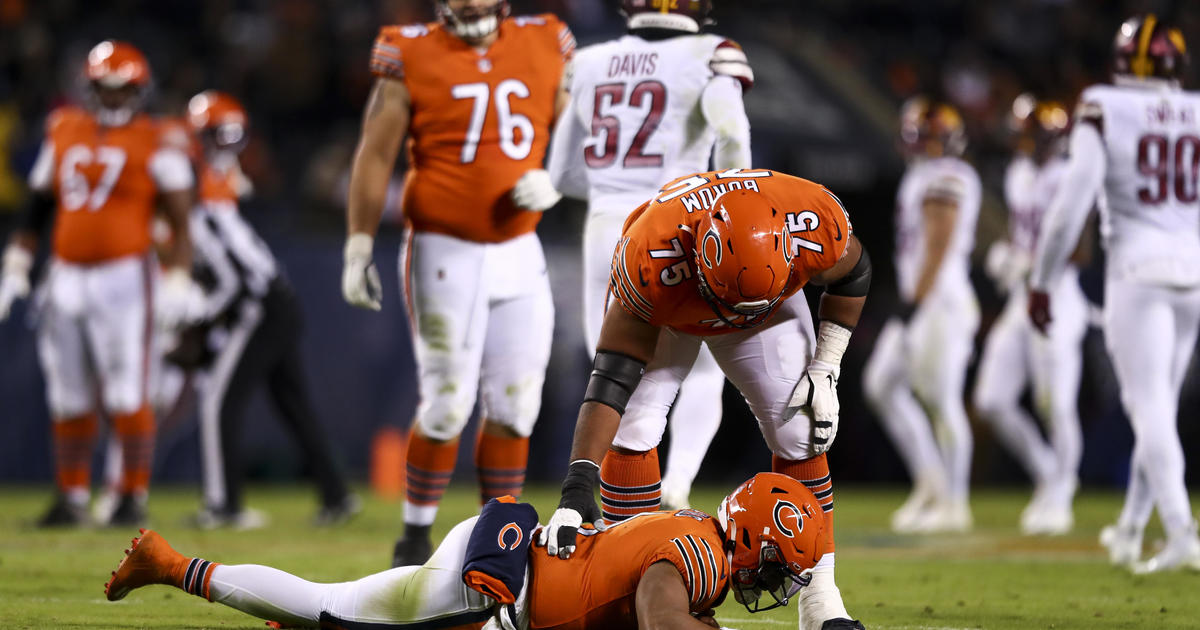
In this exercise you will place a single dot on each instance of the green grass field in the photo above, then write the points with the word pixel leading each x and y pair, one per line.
pixel 992 578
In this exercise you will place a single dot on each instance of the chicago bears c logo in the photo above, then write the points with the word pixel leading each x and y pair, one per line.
pixel 511 527
pixel 786 510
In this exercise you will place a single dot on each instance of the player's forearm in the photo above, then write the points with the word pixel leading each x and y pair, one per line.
pixel 595 429
pixel 368 192
pixel 841 310
pixel 176 206
pixel 1069 210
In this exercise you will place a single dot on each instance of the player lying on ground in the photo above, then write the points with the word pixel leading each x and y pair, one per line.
pixel 660 570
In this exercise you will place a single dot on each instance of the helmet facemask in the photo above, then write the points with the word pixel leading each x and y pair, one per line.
pixel 115 105
pixel 472 23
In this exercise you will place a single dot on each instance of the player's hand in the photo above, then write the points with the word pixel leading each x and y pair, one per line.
pixel 577 506
pixel 1039 310
pixel 816 395
pixel 534 191
pixel 360 278
pixel 179 300
pixel 14 280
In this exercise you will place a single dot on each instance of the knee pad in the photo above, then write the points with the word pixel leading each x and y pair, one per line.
pixel 514 405
pixel 122 400
pixel 445 408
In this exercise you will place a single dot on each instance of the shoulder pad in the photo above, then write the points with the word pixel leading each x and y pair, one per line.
pixel 63 116
pixel 730 60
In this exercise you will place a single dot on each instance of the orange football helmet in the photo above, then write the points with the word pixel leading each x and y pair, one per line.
pixel 219 120
pixel 1146 47
pixel 931 128
pixel 743 257
pixel 774 535
pixel 118 79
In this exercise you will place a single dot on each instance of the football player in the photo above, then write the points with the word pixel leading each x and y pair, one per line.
pixel 721 257
pixel 1014 355
pixel 919 363
pixel 259 322
pixel 646 108
pixel 476 92
pixel 1137 142
pixel 101 173
pixel 660 570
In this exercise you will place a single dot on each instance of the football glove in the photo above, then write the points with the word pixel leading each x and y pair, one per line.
pixel 14 279
pixel 577 506
pixel 816 396
pixel 1039 310
pixel 534 191
pixel 179 300
pixel 360 278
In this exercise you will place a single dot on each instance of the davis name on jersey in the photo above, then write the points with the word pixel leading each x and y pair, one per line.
pixel 636 101
pixel 1151 218
pixel 479 120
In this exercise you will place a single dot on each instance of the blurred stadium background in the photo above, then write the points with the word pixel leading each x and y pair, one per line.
pixel 830 77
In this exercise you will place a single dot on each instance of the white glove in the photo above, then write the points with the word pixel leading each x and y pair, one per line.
pixel 548 536
pixel 534 191
pixel 14 280
pixel 179 300
pixel 360 278
pixel 816 396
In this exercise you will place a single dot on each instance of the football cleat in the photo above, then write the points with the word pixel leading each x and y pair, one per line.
pixel 842 624
pixel 338 513
pixel 241 520
pixel 130 511
pixel 149 560
pixel 944 516
pixel 64 513
pixel 926 490
pixel 1124 544
pixel 1181 552
pixel 684 15
pixel 412 551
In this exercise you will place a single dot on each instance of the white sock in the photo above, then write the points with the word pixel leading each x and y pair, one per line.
pixel 419 514
pixel 268 593
pixel 821 600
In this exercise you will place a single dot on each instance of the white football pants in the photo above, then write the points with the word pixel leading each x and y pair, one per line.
pixel 698 409
pixel 1150 332
pixel 1015 355
pixel 926 360
pixel 94 336
pixel 483 322
pixel 765 364
pixel 430 594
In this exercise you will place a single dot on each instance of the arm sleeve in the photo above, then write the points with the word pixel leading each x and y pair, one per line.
pixel 386 60
pixel 41 177
pixel 568 173
pixel 721 103
pixel 171 170
pixel 1068 211
pixel 699 563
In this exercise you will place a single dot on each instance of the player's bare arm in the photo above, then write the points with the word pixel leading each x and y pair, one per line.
pixel 855 266
pixel 662 601
pixel 940 215
pixel 174 207
pixel 385 123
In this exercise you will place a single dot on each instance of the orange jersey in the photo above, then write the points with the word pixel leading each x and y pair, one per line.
pixel 103 179
pixel 654 270
pixel 479 120
pixel 596 587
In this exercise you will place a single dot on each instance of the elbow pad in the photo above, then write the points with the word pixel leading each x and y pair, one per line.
pixel 856 282
pixel 38 211
pixel 614 377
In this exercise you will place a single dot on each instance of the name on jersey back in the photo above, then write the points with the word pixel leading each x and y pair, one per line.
pixel 632 65
pixel 1165 113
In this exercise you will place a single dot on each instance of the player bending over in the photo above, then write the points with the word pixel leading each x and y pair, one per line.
pixel 660 570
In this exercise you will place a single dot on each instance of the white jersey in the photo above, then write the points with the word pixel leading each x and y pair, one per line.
pixel 1024 212
pixel 637 117
pixel 1151 220
pixel 945 177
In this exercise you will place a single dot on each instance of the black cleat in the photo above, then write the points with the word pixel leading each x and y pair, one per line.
pixel 63 513
pixel 338 513
pixel 412 550
pixel 842 624
pixel 130 512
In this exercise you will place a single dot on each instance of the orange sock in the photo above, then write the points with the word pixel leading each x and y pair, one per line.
pixel 500 462
pixel 629 484
pixel 136 432
pixel 196 575
pixel 813 473
pixel 73 442
pixel 430 466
